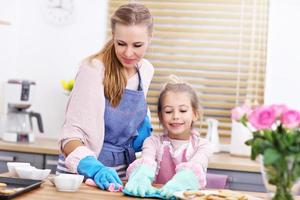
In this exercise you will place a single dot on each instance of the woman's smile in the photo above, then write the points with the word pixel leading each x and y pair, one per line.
pixel 128 61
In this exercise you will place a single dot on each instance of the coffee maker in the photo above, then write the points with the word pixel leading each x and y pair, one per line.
pixel 18 126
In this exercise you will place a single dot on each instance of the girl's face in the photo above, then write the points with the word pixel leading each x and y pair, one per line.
pixel 131 43
pixel 177 115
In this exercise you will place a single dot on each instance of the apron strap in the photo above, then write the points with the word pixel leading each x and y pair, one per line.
pixel 140 87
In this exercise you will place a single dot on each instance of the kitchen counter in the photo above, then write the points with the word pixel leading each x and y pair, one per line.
pixel 222 161
pixel 225 161
pixel 41 146
pixel 48 192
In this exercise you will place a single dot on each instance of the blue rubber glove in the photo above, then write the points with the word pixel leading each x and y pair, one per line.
pixel 103 176
pixel 182 180
pixel 144 131
pixel 140 182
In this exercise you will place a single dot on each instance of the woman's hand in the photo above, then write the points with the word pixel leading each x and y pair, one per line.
pixel 103 176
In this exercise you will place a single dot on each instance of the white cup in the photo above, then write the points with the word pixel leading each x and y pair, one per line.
pixel 68 182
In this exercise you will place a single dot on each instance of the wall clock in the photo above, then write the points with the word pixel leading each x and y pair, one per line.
pixel 59 12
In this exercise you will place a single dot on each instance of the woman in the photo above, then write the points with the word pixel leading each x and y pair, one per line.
pixel 107 104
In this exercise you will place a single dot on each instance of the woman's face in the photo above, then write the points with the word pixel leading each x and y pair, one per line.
pixel 177 115
pixel 131 43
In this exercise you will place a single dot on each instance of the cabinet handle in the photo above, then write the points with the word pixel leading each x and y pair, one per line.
pixel 51 162
pixel 7 158
pixel 230 179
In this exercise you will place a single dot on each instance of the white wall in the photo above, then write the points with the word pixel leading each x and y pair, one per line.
pixel 8 48
pixel 33 49
pixel 283 62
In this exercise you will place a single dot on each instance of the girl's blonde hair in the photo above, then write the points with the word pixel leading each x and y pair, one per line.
pixel 176 85
pixel 115 80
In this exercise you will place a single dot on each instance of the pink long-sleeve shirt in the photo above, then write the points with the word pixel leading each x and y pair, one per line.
pixel 193 154
pixel 84 116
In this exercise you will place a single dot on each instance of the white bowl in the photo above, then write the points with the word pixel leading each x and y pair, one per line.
pixel 32 173
pixel 68 182
pixel 12 165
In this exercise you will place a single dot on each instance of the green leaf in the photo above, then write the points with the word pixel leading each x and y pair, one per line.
pixel 249 142
pixel 271 156
pixel 268 135
pixel 258 145
pixel 294 149
pixel 295 172
pixel 244 120
pixel 272 175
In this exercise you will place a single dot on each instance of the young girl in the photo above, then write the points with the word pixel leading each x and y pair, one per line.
pixel 179 157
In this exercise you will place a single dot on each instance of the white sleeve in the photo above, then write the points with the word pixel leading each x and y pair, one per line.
pixel 146 71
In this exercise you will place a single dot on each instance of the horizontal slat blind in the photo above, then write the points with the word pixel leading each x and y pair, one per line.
pixel 218 46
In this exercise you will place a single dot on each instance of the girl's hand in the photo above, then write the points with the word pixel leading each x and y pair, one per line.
pixel 140 182
pixel 182 180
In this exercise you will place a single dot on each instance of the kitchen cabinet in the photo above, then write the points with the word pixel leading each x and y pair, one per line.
pixel 243 173
pixel 36 160
pixel 241 180
pixel 40 161
pixel 43 153
pixel 51 162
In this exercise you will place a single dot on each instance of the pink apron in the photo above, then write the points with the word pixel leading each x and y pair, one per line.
pixel 168 164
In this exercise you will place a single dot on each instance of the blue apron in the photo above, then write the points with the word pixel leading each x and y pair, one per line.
pixel 121 125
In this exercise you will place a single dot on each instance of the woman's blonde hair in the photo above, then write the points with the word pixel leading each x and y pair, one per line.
pixel 174 84
pixel 115 80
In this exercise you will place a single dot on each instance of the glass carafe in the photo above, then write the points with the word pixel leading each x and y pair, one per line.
pixel 20 123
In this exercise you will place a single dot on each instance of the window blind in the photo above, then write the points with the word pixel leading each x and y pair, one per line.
pixel 218 46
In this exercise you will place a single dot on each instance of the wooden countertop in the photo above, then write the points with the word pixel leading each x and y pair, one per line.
pixel 229 162
pixel 217 161
pixel 41 146
pixel 48 192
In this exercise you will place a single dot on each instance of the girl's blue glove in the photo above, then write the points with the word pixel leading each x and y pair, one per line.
pixel 140 182
pixel 182 180
pixel 103 176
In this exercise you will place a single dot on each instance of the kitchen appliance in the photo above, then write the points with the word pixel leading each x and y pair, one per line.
pixel 18 120
pixel 213 134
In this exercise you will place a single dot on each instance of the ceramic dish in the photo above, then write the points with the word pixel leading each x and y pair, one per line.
pixel 229 193
pixel 32 173
pixel 11 166
pixel 67 182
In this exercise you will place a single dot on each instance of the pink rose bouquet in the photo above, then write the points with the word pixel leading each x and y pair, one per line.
pixel 276 136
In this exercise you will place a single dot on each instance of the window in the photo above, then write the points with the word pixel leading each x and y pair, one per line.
pixel 218 46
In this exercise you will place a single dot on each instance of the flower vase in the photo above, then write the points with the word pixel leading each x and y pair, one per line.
pixel 239 135
pixel 285 188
